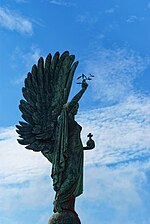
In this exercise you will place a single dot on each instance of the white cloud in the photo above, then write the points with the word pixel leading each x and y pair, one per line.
pixel 110 11
pixel 115 70
pixel 121 131
pixel 122 191
pixel 26 60
pixel 132 19
pixel 14 22
pixel 62 3
pixel 21 1
pixel 121 179
pixel 44 218
pixel 17 160
pixel 87 18
pixel 32 56
pixel 24 175
pixel 27 195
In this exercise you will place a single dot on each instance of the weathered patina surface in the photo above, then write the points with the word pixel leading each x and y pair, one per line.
pixel 50 128
pixel 65 217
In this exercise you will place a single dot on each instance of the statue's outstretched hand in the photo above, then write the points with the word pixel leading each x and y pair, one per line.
pixel 84 84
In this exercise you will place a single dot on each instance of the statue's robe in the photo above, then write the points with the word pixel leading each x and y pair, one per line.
pixel 67 166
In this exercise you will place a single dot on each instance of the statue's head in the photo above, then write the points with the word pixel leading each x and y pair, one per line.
pixel 75 109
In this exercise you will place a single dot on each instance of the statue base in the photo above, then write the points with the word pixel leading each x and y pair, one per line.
pixel 65 217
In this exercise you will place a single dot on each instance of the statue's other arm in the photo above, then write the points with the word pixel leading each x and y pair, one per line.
pixel 88 147
pixel 77 97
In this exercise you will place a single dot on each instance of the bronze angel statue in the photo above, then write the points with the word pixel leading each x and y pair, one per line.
pixel 50 126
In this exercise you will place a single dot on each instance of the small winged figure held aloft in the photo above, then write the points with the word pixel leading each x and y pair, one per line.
pixel 50 127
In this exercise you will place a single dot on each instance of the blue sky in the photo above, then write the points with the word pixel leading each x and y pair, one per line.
pixel 111 40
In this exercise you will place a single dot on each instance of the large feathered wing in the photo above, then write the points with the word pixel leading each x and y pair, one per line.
pixel 46 90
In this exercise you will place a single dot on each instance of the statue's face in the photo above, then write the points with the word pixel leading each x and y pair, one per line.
pixel 75 109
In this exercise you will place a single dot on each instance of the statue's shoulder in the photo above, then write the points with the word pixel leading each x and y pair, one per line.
pixel 63 112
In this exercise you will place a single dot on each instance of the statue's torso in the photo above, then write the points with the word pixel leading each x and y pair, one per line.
pixel 74 138
pixel 75 157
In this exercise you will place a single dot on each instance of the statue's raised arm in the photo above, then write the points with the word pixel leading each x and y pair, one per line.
pixel 77 97
pixel 50 128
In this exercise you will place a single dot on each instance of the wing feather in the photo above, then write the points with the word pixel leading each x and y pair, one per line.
pixel 69 79
pixel 44 99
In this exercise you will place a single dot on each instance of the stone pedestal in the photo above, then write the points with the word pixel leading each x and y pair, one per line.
pixel 65 217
